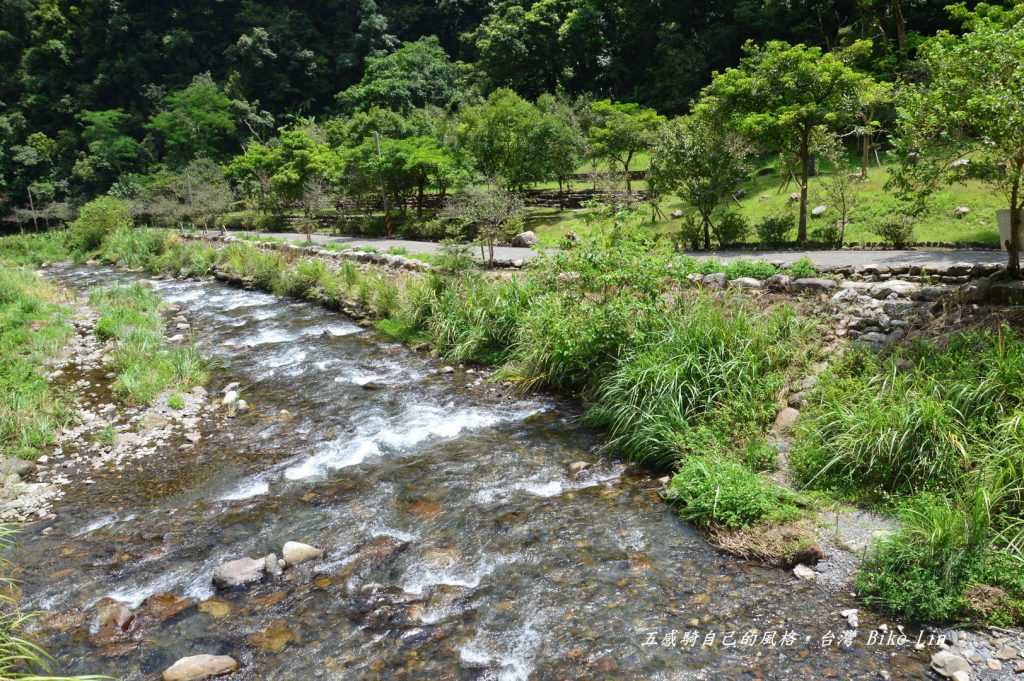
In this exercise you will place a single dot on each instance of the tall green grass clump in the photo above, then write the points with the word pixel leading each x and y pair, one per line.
pixel 35 249
pixel 710 492
pixel 948 562
pixel 919 419
pixel 133 248
pixel 146 365
pixel 702 379
pixel 33 327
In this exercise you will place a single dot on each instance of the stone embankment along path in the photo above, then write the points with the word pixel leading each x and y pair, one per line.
pixel 826 261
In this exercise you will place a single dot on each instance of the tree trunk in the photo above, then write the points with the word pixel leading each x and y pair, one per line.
pixel 419 198
pixel 629 180
pixel 901 26
pixel 32 207
pixel 707 232
pixel 1013 245
pixel 805 162
pixel 865 159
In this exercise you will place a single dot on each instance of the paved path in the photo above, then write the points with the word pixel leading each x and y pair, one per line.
pixel 821 259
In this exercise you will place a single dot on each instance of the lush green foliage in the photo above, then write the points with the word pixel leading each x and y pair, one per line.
pixel 711 492
pixel 97 219
pixel 33 328
pixel 145 363
pixel 919 419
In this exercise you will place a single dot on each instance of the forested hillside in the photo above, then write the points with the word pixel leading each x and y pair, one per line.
pixel 91 90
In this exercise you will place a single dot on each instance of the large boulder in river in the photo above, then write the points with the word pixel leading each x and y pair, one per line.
pixel 240 572
pixel 296 552
pixel 200 667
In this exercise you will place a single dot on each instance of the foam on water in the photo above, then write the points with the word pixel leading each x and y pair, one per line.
pixel 422 576
pixel 544 488
pixel 511 657
pixel 246 490
pixel 418 424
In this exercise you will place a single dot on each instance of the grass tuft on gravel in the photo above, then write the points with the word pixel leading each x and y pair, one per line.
pixel 145 363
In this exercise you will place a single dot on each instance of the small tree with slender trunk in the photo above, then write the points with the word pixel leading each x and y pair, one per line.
pixel 971 107
pixel 781 95
pixel 701 161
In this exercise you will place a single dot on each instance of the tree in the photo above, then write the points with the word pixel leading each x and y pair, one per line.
pixel 969 108
pixel 416 74
pixel 196 121
pixel 493 213
pixel 557 138
pixel 702 161
pixel 781 95
pixel 498 134
pixel 620 131
pixel 253 172
pixel 110 151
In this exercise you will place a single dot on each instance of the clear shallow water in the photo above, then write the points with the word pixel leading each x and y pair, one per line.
pixel 457 545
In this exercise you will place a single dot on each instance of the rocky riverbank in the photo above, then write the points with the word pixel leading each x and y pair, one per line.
pixel 106 434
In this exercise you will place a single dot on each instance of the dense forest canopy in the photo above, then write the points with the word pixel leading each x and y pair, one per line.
pixel 93 89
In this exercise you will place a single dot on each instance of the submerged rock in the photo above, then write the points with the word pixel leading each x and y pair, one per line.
pixel 164 606
pixel 239 572
pixel 801 571
pixel 200 667
pixel 296 552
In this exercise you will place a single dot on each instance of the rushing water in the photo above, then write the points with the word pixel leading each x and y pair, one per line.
pixel 457 544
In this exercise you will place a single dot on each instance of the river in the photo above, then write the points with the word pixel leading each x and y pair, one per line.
pixel 458 545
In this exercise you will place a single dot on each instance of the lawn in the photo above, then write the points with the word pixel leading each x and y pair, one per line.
pixel 766 194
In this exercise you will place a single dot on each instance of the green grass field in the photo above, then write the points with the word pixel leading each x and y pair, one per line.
pixel 767 194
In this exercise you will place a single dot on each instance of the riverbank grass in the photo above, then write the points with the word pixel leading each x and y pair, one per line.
pixel 33 328
pixel 145 363
pixel 934 430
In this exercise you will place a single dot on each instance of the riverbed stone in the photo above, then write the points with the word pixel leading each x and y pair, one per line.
pixel 296 553
pixel 577 467
pixel 525 239
pixel 801 571
pixel 199 667
pixel 240 572
pixel 786 419
pixel 947 664
pixel 778 282
pixel 745 282
pixel 274 638
pixel 1006 653
pixel 165 606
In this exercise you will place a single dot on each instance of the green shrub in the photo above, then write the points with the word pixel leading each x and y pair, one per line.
pixel 743 267
pixel 710 492
pixel 35 249
pixel 97 219
pixel 897 229
pixel 773 229
pixel 691 232
pixel 730 229
pixel 802 268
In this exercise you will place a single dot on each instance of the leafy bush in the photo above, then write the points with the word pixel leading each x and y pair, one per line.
pixel 744 267
pixel 802 268
pixel 826 234
pixel 896 229
pixel 97 219
pixel 691 232
pixel 772 229
pixel 730 229
pixel 715 493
